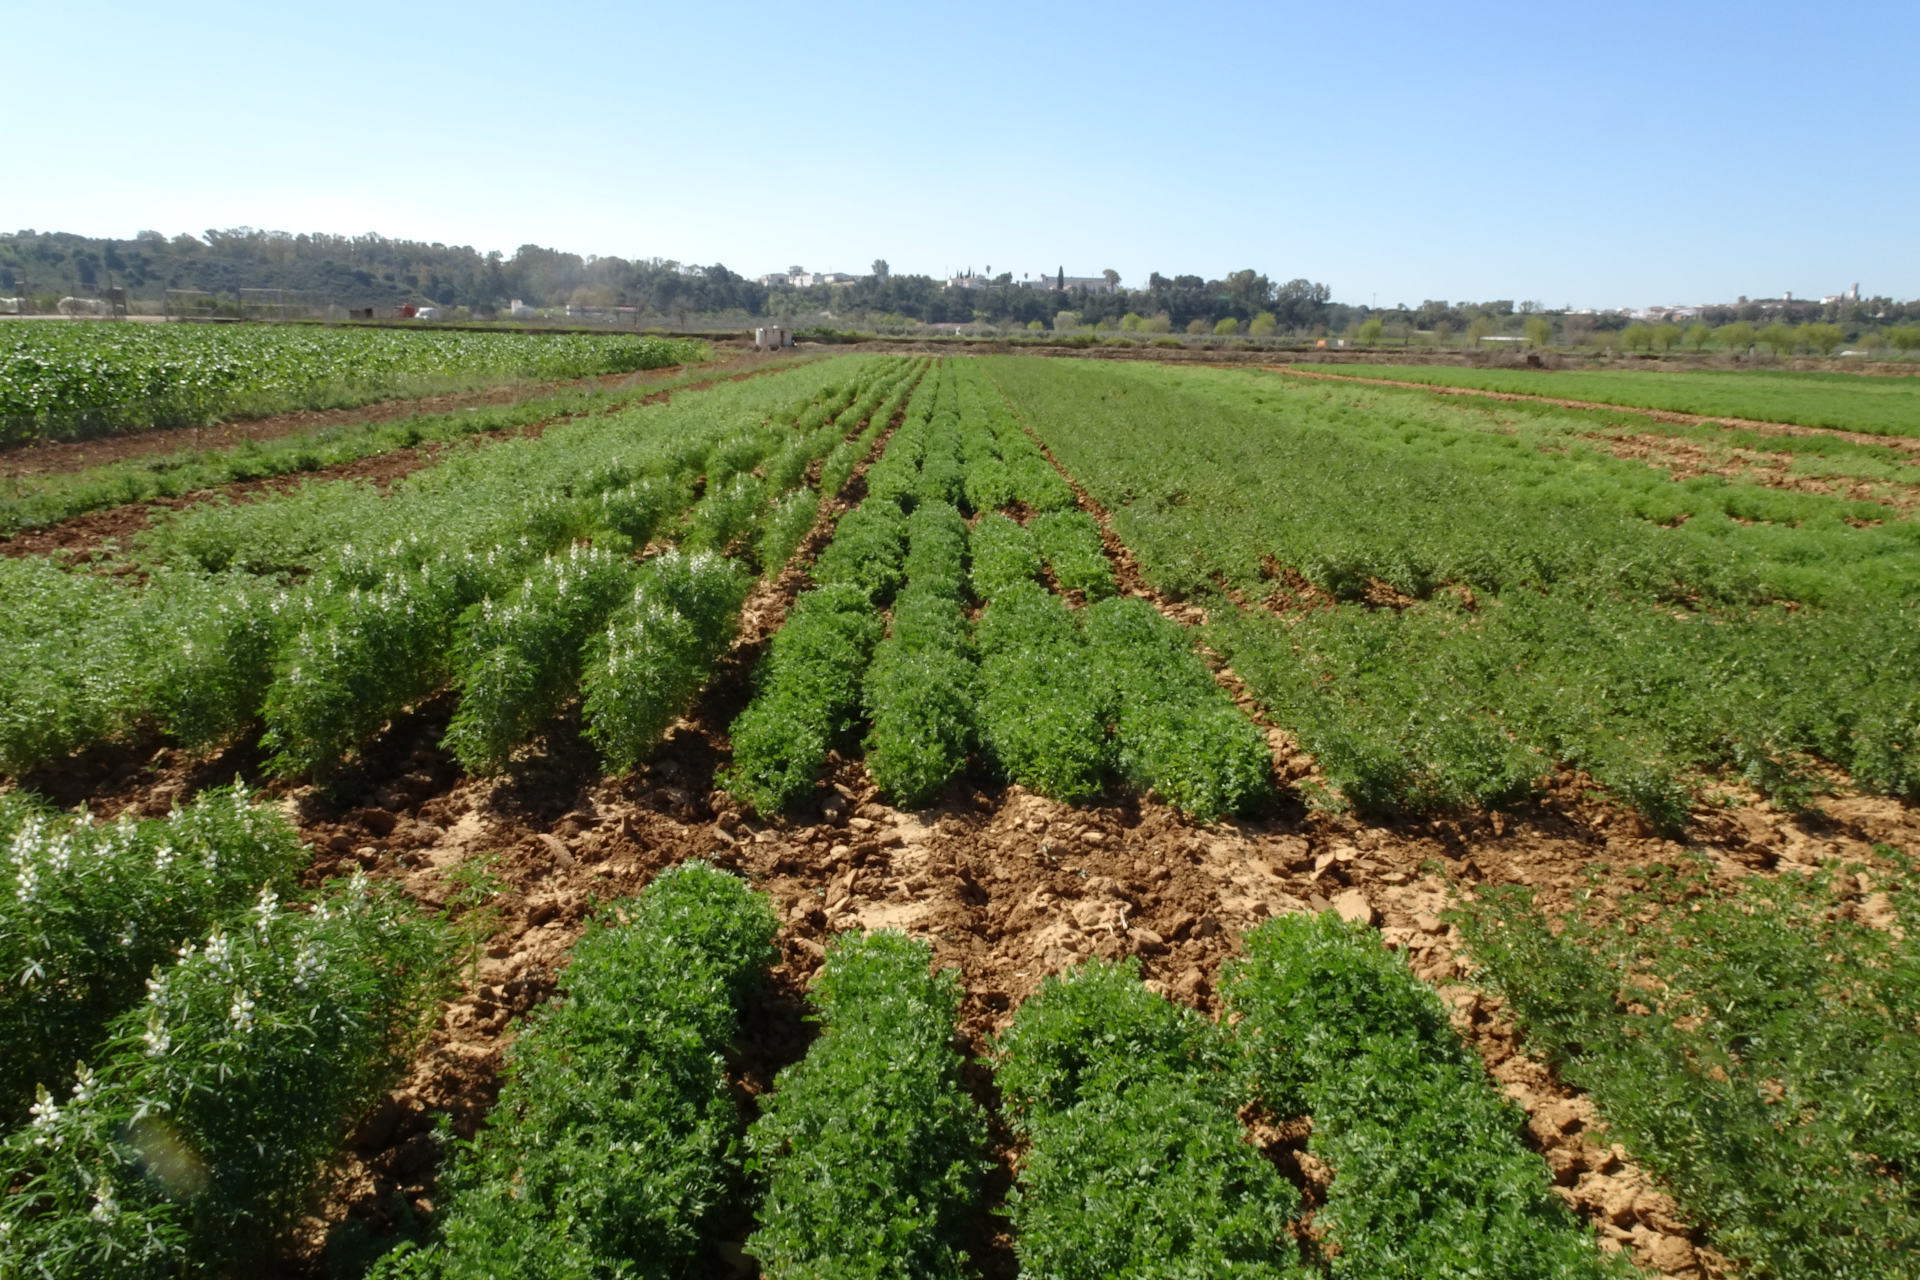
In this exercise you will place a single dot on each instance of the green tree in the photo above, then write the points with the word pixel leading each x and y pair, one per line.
pixel 1539 331
pixel 1130 322
pixel 1478 328
pixel 1637 337
pixel 1666 336
pixel 1777 338
pixel 1442 333
pixel 1036 326
pixel 1903 337
pixel 1370 330
pixel 1113 278
pixel 1823 338
pixel 1735 336
pixel 1263 325
pixel 1066 321
pixel 1197 325
pixel 1227 327
pixel 1698 336
pixel 880 270
pixel 1156 324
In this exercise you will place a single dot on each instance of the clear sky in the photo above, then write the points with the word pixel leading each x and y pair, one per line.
pixel 1594 155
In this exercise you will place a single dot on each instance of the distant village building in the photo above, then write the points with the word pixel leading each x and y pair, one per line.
pixel 968 282
pixel 1062 282
pixel 804 279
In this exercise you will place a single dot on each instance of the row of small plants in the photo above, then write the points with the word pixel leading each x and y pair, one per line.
pixel 190 1135
pixel 61 380
pixel 1058 707
pixel 326 611
pixel 1546 601
pixel 1757 1049
pixel 613 1149
pixel 30 501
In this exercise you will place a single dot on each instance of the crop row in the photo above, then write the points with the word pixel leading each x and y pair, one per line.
pixel 1846 401
pixel 1057 701
pixel 190 1134
pixel 59 380
pixel 327 610
pixel 613 1144
pixel 1552 603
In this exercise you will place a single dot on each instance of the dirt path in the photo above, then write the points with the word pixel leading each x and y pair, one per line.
pixel 1907 443
pixel 92 531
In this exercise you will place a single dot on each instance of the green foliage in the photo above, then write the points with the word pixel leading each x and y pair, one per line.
pixel 656 653
pixel 61 380
pixel 1137 1165
pixel 1178 732
pixel 807 690
pixel 616 1136
pixel 1043 716
pixel 870 1145
pixel 197 1133
pixel 1032 478
pixel 868 549
pixel 73 644
pixel 88 910
pixel 1070 542
pixel 785 527
pixel 518 660
pixel 922 688
pixel 1432 1178
pixel 1003 554
pixel 1755 1049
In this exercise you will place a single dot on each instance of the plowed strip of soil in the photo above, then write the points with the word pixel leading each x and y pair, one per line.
pixel 1907 443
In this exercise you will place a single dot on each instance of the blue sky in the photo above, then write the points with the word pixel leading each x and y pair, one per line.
pixel 1599 155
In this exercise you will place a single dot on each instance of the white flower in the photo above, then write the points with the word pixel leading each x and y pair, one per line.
pixel 157 1038
pixel 306 965
pixel 82 1086
pixel 263 910
pixel 241 1012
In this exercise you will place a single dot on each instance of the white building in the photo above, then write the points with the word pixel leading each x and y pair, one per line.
pixel 773 278
pixel 1059 280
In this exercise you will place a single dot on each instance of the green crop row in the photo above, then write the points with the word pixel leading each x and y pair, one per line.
pixel 923 685
pixel 60 380
pixel 805 696
pixel 1756 1050
pixel 1003 554
pixel 615 1138
pixel 1043 720
pixel 870 1147
pixel 1431 1177
pixel 1136 1164
pixel 1555 603
pixel 1070 542
pixel 213 638
pixel 868 550
pixel 1847 401
pixel 87 911
pixel 193 1138
pixel 1034 481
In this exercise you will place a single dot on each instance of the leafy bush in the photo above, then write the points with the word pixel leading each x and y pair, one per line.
pixel 615 1137
pixel 73 645
pixel 658 651
pixel 88 911
pixel 868 550
pixel 807 689
pixel 1070 542
pixel 1043 718
pixel 1003 554
pixel 634 513
pixel 870 1145
pixel 519 660
pixel 1431 1175
pixel 1756 1049
pixel 785 528
pixel 923 686
pixel 1178 732
pixel 1137 1164
pixel 195 1137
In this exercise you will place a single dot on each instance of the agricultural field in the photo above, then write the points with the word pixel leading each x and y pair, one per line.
pixel 1887 406
pixel 58 381
pixel 1007 816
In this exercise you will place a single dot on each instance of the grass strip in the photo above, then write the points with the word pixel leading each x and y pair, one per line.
pixel 1043 715
pixel 658 650
pixel 1136 1164
pixel 194 1139
pixel 806 695
pixel 870 1145
pixel 1755 1049
pixel 615 1137
pixel 88 910
pixel 1178 732
pixel 1431 1178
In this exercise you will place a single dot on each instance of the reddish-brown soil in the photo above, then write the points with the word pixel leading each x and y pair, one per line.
pixel 1659 415
pixel 1685 459
pixel 53 457
pixel 1007 886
